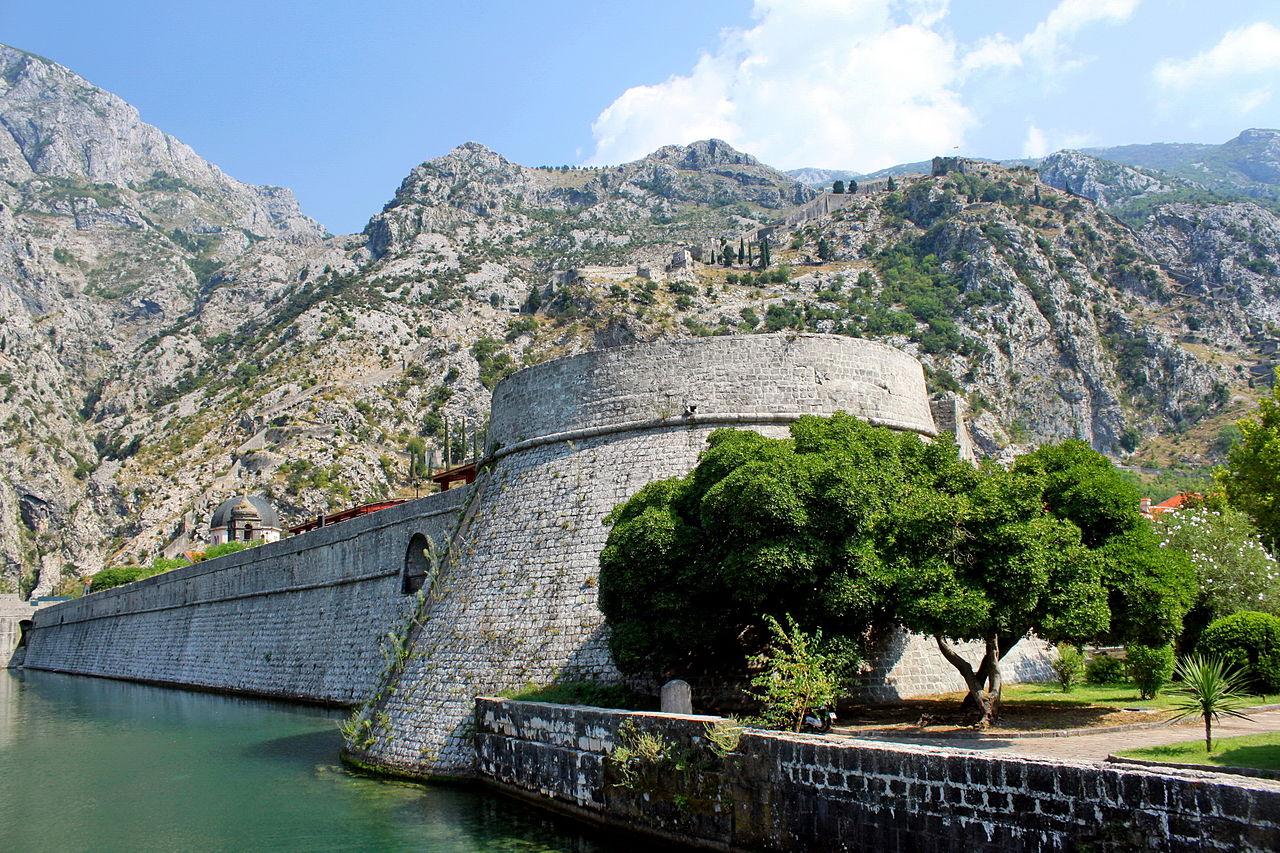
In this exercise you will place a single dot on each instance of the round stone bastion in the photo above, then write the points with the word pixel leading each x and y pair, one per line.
pixel 748 380
pixel 514 601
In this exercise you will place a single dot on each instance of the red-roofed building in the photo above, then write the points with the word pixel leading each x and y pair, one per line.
pixel 1154 511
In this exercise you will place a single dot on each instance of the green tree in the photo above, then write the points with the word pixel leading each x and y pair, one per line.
pixel 838 187
pixel 416 448
pixel 825 251
pixel 1210 690
pixel 853 186
pixel 847 526
pixel 1234 571
pixel 892 185
pixel 798 675
pixel 742 250
pixel 1251 476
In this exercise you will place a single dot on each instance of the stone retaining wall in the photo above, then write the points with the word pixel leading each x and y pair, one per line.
pixel 301 618
pixel 796 792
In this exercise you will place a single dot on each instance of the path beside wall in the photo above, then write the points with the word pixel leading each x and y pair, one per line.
pixel 301 618
pixel 798 792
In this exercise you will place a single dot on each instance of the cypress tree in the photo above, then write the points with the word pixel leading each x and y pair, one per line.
pixel 742 255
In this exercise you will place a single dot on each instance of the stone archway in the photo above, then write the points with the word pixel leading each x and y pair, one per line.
pixel 417 564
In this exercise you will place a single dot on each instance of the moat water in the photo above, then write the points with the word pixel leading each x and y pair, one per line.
pixel 88 764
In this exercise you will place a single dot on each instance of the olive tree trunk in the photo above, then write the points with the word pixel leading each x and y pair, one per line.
pixel 984 702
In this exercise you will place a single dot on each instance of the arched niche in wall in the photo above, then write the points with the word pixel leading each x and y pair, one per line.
pixel 417 565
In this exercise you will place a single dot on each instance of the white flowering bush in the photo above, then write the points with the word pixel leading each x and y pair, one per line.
pixel 1235 571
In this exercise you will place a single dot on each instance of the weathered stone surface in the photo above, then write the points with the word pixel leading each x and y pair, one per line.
pixel 301 618
pixel 676 697
pixel 574 438
pixel 789 792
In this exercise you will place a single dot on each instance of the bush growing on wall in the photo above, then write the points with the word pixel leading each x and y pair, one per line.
pixel 1249 641
pixel 117 576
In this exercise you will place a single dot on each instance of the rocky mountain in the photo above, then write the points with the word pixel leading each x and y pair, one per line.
pixel 1247 166
pixel 823 178
pixel 819 179
pixel 170 336
pixel 109 233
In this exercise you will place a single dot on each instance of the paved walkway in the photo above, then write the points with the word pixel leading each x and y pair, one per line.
pixel 1096 747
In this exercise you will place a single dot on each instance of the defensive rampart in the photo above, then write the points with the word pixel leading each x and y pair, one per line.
pixel 302 618
pixel 779 791
pixel 571 439
pixel 514 599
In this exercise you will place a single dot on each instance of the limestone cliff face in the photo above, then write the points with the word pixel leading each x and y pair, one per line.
pixel 169 336
pixel 109 232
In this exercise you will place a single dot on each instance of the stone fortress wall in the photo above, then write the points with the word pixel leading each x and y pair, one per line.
pixel 16 616
pixel 571 439
pixel 514 600
pixel 783 791
pixel 301 618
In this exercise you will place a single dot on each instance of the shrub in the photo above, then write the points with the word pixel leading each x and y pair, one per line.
pixel 1249 641
pixel 117 576
pixel 224 549
pixel 1068 666
pixel 1150 667
pixel 798 676
pixel 1104 669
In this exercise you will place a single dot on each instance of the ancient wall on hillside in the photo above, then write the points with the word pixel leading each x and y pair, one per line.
pixel 575 437
pixel 301 618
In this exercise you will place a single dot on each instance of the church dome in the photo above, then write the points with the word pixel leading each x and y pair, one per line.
pixel 245 508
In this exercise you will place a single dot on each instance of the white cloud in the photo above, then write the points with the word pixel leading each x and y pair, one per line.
pixel 1252 51
pixel 1046 44
pixel 1247 102
pixel 837 83
pixel 1036 144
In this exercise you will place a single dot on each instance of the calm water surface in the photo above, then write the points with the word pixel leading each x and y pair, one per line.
pixel 91 764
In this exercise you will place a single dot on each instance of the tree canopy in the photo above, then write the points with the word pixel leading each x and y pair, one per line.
pixel 846 526
pixel 1251 477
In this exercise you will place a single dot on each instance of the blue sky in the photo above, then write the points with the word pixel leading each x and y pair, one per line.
pixel 340 100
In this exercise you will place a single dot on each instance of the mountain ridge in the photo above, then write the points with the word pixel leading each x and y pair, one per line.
pixel 167 341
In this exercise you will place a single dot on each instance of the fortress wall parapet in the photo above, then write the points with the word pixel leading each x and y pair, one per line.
pixel 300 618
pixel 724 380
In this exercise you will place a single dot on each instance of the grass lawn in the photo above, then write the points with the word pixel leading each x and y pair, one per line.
pixel 1024 707
pixel 1110 695
pixel 1261 752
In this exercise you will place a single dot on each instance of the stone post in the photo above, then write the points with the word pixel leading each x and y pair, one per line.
pixel 677 698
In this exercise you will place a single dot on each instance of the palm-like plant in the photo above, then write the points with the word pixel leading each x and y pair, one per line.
pixel 1209 689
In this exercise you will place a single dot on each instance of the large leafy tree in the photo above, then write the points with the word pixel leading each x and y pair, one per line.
pixel 1234 571
pixel 1252 473
pixel 846 526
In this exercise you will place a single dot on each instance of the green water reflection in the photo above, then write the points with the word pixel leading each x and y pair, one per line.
pixel 91 764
